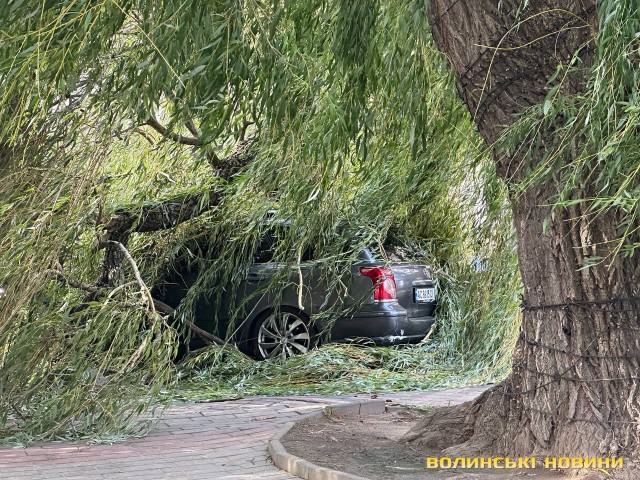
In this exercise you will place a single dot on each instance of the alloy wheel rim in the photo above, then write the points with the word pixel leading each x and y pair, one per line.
pixel 283 335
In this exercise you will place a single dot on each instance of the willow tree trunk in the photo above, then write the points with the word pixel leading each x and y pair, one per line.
pixel 573 390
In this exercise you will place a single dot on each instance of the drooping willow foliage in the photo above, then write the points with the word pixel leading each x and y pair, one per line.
pixel 593 130
pixel 355 122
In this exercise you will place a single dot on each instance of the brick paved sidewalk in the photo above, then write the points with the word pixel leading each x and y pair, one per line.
pixel 218 441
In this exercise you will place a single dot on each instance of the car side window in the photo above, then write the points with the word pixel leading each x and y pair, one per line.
pixel 266 247
pixel 268 244
pixel 307 255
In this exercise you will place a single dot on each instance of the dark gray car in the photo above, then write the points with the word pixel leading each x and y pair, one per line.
pixel 389 302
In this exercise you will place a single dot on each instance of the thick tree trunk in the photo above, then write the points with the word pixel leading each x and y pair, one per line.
pixel 574 386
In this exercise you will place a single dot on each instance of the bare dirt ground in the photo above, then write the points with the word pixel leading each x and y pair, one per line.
pixel 369 446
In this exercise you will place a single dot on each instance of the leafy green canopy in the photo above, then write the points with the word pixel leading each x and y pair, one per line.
pixel 355 119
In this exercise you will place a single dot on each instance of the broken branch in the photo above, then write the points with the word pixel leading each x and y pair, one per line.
pixel 136 272
pixel 164 131
pixel 158 306
pixel 174 211
pixel 62 278
pixel 192 128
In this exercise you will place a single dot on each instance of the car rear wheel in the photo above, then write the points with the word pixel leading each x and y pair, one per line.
pixel 282 334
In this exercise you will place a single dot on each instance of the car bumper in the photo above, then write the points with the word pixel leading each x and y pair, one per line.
pixel 386 325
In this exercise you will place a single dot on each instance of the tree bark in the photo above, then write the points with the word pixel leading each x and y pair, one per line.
pixel 573 390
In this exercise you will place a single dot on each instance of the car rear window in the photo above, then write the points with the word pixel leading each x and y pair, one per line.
pixel 391 250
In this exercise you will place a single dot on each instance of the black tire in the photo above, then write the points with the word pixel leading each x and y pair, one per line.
pixel 281 334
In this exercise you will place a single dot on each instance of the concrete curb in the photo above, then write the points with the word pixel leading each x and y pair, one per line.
pixel 309 471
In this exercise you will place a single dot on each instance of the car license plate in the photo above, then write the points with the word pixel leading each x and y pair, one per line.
pixel 424 295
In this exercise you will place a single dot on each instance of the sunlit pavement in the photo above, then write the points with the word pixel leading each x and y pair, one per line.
pixel 220 440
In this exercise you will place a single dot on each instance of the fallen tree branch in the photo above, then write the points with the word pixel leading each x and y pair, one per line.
pixel 63 279
pixel 243 131
pixel 195 141
pixel 159 306
pixel 242 154
pixel 164 131
pixel 209 338
pixel 145 135
pixel 166 308
pixel 168 214
pixel 206 336
pixel 136 271
pixel 192 128
pixel 174 211
pixel 162 215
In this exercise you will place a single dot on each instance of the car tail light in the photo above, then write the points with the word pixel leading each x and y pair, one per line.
pixel 383 281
